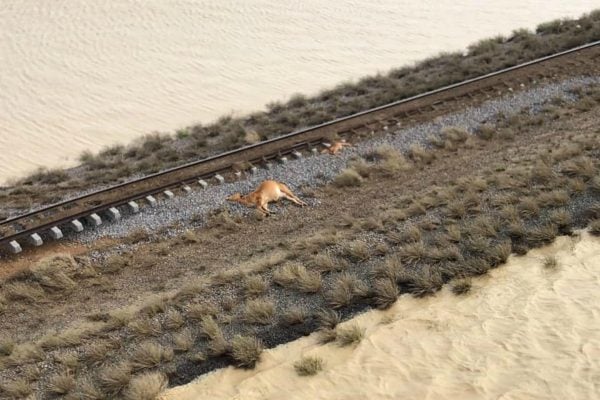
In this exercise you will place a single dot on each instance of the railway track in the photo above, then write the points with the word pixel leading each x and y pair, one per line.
pixel 50 222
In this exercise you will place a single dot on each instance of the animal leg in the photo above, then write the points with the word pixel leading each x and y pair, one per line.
pixel 287 193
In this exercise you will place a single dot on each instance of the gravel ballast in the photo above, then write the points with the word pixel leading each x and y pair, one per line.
pixel 322 168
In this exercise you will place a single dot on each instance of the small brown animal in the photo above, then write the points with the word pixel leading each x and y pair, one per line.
pixel 336 147
pixel 267 192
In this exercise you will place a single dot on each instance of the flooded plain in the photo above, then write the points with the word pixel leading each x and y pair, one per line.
pixel 525 331
pixel 78 74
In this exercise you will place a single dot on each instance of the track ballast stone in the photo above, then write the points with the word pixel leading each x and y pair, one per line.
pixel 323 168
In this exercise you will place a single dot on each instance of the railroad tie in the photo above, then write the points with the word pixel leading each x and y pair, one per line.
pixel 133 207
pixel 151 201
pixel 15 247
pixel 95 219
pixel 36 239
pixel 76 225
pixel 114 214
pixel 56 233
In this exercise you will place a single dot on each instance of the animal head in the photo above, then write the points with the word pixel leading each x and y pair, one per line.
pixel 235 197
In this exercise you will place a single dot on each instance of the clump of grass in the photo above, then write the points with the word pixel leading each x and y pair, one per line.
pixel 295 315
pixel 61 383
pixel 114 378
pixel 259 311
pixel 298 277
pixel 18 388
pixel 155 305
pixel 87 390
pixel 255 285
pixel 411 234
pixel 327 263
pixel 183 341
pixel 173 320
pixel 6 346
pixel 420 154
pixel 95 353
pixel 356 250
pixel 461 287
pixel 550 262
pixel 348 178
pixel 594 227
pixel 391 268
pixel 246 350
pixel 390 160
pixel 69 360
pixel 146 386
pixel 328 319
pixel 582 167
pixel 150 355
pixel 425 281
pixel 345 288
pixel 351 335
pixel 540 235
pixel 29 292
pixel 25 353
pixel 189 237
pixel 309 366
pixel 201 310
pixel 385 293
pixel 145 327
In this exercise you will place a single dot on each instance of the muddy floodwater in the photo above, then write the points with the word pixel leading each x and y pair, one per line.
pixel 524 332
pixel 81 74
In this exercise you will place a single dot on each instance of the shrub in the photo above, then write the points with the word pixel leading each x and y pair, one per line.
pixel 328 319
pixel 150 355
pixel 344 289
pixel 356 250
pixel 146 386
pixel 350 335
pixel 87 390
pixel 61 383
pixel 25 353
pixel 348 178
pixel 18 388
pixel 145 327
pixel 461 287
pixel 259 311
pixel 386 293
pixel 183 341
pixel 246 351
pixel 173 320
pixel 24 291
pixel 298 277
pixel 114 378
pixel 295 315
pixel 199 311
pixel 254 285
pixel 594 227
pixel 308 366
pixel 550 262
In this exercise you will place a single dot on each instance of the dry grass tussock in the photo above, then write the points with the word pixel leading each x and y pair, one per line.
pixel 345 288
pixel 348 178
pixel 309 366
pixel 350 335
pixel 298 277
pixel 259 311
pixel 246 350
pixel 150 355
pixel 61 383
pixel 114 378
pixel 146 386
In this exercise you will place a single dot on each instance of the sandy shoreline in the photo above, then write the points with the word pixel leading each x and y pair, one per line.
pixel 524 332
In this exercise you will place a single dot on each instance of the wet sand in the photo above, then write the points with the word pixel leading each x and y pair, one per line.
pixel 524 332
pixel 80 75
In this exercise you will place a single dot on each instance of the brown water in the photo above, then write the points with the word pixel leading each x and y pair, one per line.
pixel 81 74
pixel 524 332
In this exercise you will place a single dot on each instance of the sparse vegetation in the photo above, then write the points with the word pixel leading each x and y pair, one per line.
pixel 309 366
pixel 351 335
pixel 348 178
pixel 259 311
pixel 146 386
pixel 246 350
